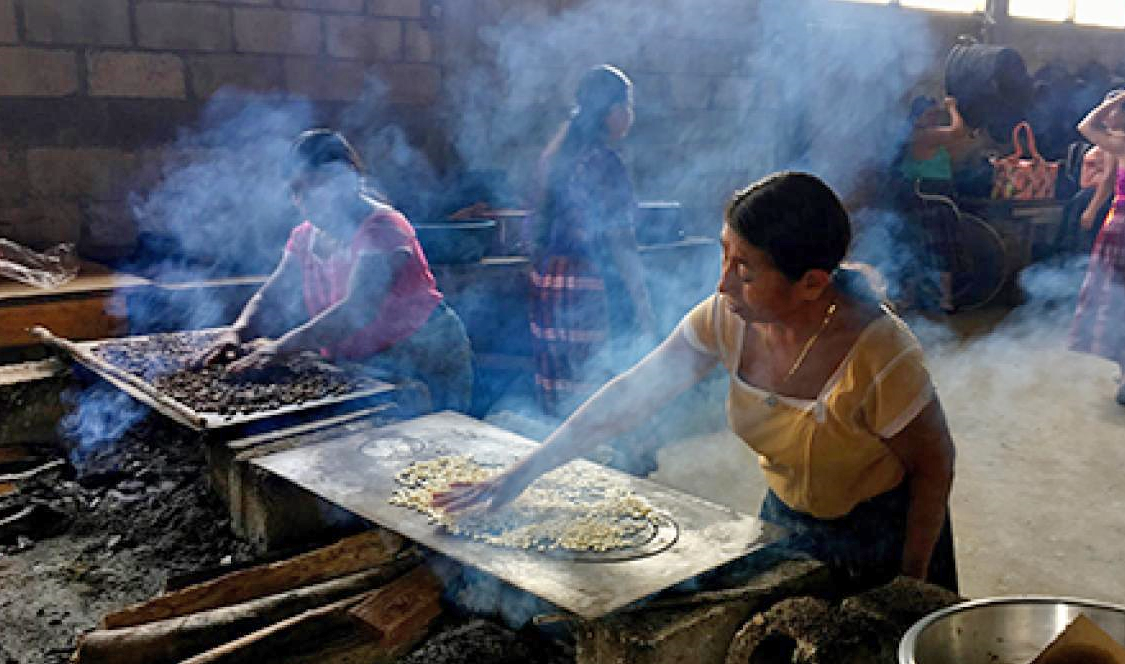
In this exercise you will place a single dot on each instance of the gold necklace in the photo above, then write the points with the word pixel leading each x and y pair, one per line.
pixel 772 399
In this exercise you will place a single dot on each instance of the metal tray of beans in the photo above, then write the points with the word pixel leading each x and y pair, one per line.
pixel 154 369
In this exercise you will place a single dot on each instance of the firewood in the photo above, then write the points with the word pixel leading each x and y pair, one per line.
pixel 374 628
pixel 399 609
pixel 174 639
pixel 350 555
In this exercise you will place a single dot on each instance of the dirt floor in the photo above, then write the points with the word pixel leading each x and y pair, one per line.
pixel 1038 503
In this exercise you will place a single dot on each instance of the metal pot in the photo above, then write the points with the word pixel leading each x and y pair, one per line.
pixel 1001 630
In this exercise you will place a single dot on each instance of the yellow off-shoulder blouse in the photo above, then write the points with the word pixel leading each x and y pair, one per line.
pixel 823 456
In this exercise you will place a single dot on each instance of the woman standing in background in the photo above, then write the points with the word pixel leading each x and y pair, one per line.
pixel 588 294
pixel 1099 321
pixel 927 167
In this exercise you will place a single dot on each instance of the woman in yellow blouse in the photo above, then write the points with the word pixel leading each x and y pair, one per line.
pixel 826 385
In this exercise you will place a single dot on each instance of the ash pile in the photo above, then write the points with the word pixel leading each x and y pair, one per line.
pixel 84 529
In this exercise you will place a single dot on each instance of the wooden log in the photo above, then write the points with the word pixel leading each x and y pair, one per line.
pixel 374 628
pixel 264 644
pixel 175 639
pixel 349 555
pixel 399 610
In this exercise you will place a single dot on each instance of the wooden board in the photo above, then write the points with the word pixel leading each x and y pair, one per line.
pixel 356 471
pixel 92 279
pixel 74 318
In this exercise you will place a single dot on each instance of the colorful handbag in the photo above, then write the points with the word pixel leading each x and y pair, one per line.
pixel 1020 177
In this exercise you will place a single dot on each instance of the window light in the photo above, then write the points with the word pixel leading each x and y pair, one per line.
pixel 946 5
pixel 1110 13
pixel 1044 10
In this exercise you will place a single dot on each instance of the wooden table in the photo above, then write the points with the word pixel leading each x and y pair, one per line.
pixel 82 308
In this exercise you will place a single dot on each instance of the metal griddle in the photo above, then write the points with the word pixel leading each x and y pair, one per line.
pixel 143 391
pixel 357 472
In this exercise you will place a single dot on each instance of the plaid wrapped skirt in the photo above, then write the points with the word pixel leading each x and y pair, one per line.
pixel 569 330
pixel 1099 320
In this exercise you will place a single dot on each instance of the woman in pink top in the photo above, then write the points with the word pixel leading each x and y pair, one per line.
pixel 367 291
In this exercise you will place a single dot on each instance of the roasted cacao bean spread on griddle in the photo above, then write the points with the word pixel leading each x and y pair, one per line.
pixel 164 361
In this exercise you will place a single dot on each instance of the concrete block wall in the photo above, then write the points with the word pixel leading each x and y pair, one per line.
pixel 91 91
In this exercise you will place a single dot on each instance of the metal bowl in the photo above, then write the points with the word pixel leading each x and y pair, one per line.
pixel 1001 630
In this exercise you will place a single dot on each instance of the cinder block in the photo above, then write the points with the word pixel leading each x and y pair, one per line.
pixel 117 74
pixel 345 6
pixel 396 8
pixel 89 22
pixel 40 223
pixel 699 632
pixel 277 31
pixel 211 73
pixel 9 34
pixel 411 83
pixel 418 43
pixel 108 230
pixel 13 174
pixel 364 39
pixel 101 174
pixel 189 27
pixel 318 78
pixel 36 72
pixel 30 398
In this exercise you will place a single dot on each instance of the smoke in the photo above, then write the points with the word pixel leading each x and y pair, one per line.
pixel 727 92
pixel 99 415
pixel 748 91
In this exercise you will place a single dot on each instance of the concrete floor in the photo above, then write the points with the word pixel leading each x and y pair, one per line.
pixel 1039 498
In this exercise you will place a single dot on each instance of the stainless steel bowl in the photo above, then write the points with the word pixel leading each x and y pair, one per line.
pixel 1001 630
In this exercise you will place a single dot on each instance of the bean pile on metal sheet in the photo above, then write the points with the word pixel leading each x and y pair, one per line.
pixel 163 361
pixel 562 510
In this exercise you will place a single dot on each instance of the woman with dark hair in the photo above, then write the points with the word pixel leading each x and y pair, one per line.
pixel 588 292
pixel 826 385
pixel 1099 322
pixel 368 293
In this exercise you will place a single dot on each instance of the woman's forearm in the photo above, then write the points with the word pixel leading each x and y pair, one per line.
pixel 334 323
pixel 623 403
pixel 1101 195
pixel 929 499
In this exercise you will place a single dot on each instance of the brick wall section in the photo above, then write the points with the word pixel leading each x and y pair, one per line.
pixel 9 34
pixel 87 22
pixel 277 31
pixel 399 8
pixel 119 74
pixel 367 39
pixel 99 82
pixel 37 72
pixel 180 26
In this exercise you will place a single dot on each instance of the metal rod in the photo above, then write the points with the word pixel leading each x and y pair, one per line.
pixel 124 379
